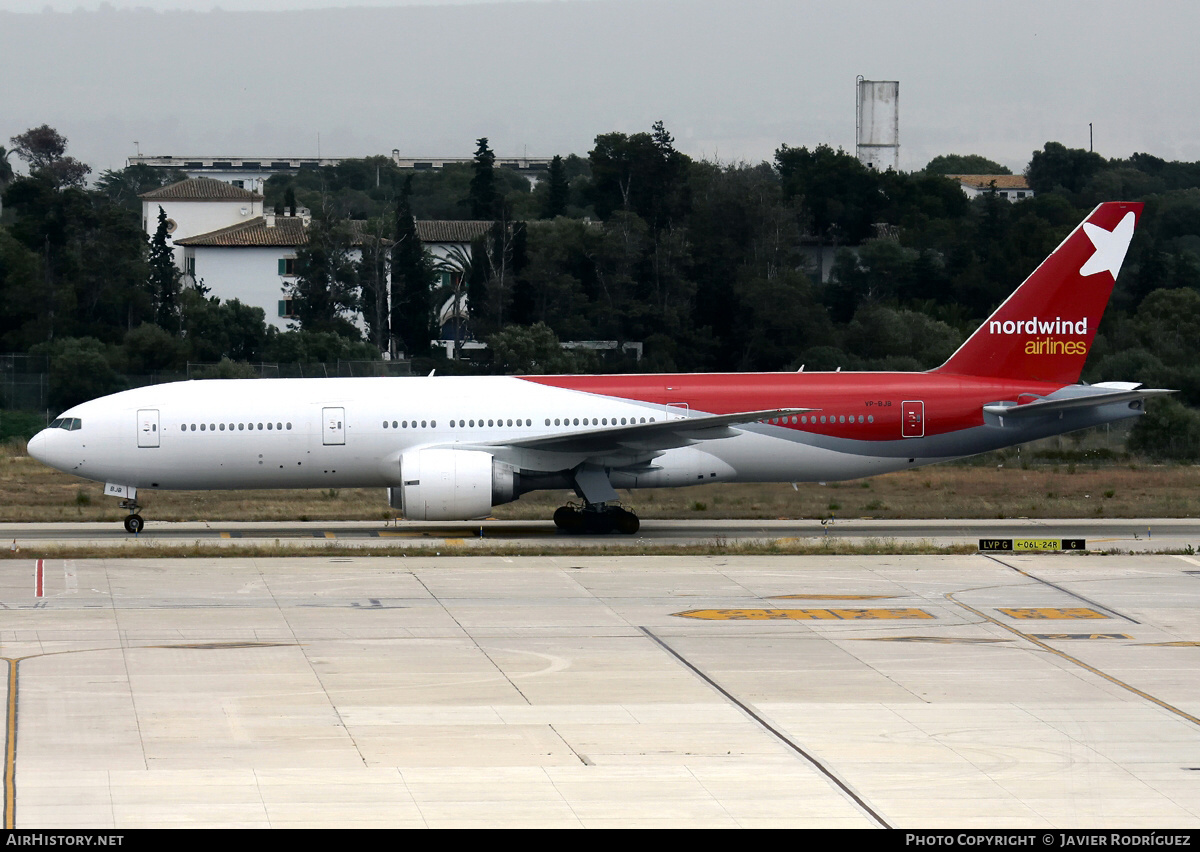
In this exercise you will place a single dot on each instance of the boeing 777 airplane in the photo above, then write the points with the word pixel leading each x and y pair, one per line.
pixel 451 448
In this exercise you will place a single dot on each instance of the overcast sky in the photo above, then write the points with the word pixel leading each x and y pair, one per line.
pixel 732 80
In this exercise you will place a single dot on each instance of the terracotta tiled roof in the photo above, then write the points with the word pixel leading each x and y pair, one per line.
pixel 985 181
pixel 451 230
pixel 201 189
pixel 287 232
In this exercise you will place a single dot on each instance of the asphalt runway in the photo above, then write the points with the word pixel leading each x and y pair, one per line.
pixel 1020 690
pixel 1133 535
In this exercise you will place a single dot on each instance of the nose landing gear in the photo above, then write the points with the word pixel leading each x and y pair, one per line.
pixel 133 521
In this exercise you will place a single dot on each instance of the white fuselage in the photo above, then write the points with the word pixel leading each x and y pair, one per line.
pixel 320 433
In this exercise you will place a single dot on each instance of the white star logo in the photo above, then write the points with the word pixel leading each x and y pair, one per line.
pixel 1110 246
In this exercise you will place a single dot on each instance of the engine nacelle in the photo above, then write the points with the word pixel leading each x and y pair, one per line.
pixel 451 485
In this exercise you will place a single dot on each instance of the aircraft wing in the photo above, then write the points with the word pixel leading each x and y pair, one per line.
pixel 1048 407
pixel 646 437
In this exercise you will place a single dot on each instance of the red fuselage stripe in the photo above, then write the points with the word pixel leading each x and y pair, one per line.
pixel 950 402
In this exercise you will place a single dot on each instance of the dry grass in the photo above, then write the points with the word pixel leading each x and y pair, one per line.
pixel 131 549
pixel 29 491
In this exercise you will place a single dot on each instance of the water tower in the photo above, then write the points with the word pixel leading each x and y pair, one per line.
pixel 877 120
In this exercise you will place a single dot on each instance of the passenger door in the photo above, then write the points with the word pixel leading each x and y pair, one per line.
pixel 147 427
pixel 333 427
pixel 912 414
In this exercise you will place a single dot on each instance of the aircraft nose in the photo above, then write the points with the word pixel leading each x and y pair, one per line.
pixel 37 447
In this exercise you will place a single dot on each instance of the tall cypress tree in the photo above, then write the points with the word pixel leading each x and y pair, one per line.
pixel 483 182
pixel 412 281
pixel 558 190
pixel 165 278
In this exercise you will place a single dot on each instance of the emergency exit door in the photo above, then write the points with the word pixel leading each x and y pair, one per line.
pixel 333 426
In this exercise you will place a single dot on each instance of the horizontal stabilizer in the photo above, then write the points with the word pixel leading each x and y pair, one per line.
pixel 1047 407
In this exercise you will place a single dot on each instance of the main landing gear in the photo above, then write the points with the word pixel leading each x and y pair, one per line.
pixel 596 518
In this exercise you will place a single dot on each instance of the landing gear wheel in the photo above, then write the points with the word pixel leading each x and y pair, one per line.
pixel 596 520
pixel 134 524
pixel 626 522
pixel 567 518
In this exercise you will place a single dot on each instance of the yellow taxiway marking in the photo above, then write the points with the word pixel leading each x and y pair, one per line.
pixel 1081 635
pixel 1028 637
pixel 330 535
pixel 1180 644
pixel 1049 612
pixel 930 640
pixel 456 542
pixel 831 597
pixel 800 614
pixel 10 748
pixel 226 535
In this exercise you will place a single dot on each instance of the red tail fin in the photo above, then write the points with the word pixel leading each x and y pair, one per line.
pixel 1044 330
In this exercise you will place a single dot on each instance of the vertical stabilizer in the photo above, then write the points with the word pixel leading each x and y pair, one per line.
pixel 1045 329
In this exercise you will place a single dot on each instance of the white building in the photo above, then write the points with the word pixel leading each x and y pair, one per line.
pixel 1008 187
pixel 197 206
pixel 253 262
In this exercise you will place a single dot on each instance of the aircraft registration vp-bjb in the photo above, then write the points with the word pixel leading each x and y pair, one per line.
pixel 450 448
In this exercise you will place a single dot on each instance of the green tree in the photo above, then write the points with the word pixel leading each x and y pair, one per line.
pixel 412 282
pixel 1059 166
pixel 373 275
pixel 642 173
pixel 80 369
pixel 525 350
pixel 44 149
pixel 326 290
pixel 456 270
pixel 124 186
pixel 483 197
pixel 965 164
pixel 165 278
pixel 558 192
pixel 1168 430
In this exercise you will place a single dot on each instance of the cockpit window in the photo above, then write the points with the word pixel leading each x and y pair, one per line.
pixel 71 424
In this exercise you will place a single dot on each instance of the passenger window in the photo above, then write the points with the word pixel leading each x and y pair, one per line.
pixel 201 427
pixel 241 427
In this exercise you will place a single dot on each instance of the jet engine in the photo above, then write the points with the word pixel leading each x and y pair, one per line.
pixel 451 485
